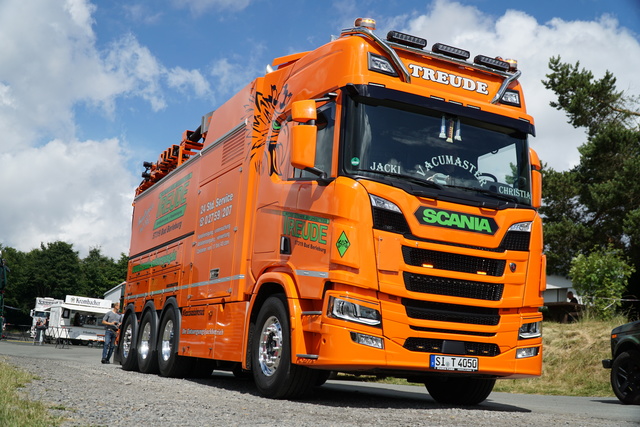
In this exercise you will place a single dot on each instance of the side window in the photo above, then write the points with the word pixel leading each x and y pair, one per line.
pixel 324 145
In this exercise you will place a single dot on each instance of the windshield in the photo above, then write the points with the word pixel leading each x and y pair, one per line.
pixel 437 149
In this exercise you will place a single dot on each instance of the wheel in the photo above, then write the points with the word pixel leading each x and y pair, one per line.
pixel 169 363
pixel 625 377
pixel 146 348
pixel 274 374
pixel 460 390
pixel 126 347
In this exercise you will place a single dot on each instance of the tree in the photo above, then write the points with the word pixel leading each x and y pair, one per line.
pixel 595 204
pixel 54 270
pixel 601 278
pixel 101 273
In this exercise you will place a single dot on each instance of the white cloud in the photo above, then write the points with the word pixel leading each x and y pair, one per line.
pixel 181 79
pixel 55 186
pixel 232 76
pixel 599 46
pixel 137 69
pixel 78 192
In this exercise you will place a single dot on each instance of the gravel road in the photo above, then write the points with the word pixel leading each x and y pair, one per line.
pixel 86 392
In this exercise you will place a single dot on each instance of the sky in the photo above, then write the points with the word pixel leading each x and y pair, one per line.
pixel 91 89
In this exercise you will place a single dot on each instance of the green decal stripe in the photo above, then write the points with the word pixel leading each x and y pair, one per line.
pixel 305 217
pixel 176 184
pixel 156 262
pixel 171 216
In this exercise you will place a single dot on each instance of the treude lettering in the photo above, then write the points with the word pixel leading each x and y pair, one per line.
pixel 445 78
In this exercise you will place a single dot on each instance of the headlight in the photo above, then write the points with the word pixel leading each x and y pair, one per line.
pixel 521 226
pixel 350 311
pixel 530 330
pixel 379 202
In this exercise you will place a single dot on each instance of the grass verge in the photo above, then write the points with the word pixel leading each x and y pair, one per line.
pixel 18 412
pixel 572 362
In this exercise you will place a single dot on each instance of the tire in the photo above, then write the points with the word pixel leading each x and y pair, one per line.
pixel 322 378
pixel 127 343
pixel 625 377
pixel 460 390
pixel 274 374
pixel 146 344
pixel 169 363
pixel 201 368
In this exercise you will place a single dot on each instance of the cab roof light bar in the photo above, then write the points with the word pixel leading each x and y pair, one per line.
pixel 451 51
pixel 507 69
pixel 495 63
pixel 406 39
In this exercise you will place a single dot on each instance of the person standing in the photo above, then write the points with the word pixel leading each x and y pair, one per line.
pixel 40 328
pixel 111 322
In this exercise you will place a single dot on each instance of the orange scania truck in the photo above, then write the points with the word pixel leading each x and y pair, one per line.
pixel 367 207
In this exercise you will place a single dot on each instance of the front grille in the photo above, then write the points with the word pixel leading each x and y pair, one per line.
pixel 442 312
pixel 516 241
pixel 453 287
pixel 430 345
pixel 452 262
pixel 393 222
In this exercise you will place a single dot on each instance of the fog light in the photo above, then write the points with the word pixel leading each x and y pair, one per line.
pixel 381 64
pixel 511 97
pixel 367 340
pixel 523 353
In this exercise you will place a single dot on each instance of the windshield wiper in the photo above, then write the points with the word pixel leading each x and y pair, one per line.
pixel 489 193
pixel 407 178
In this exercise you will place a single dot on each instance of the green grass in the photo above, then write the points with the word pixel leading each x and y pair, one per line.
pixel 16 411
pixel 571 360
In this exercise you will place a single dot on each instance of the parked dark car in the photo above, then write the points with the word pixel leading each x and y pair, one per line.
pixel 625 362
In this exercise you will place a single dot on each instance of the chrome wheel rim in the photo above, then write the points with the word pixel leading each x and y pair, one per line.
pixel 127 338
pixel 270 346
pixel 167 340
pixel 143 347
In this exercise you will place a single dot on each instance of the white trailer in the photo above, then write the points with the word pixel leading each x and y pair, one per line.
pixel 40 312
pixel 77 320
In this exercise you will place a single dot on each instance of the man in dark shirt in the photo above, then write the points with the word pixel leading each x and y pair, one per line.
pixel 111 322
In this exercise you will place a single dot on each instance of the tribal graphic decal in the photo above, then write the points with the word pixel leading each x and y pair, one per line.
pixel 267 110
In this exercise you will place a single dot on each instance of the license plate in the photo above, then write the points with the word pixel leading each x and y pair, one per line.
pixel 453 363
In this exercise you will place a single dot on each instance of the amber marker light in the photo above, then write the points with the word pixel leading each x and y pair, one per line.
pixel 366 22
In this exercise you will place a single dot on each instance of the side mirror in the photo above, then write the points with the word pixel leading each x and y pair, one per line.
pixel 304 111
pixel 536 179
pixel 304 136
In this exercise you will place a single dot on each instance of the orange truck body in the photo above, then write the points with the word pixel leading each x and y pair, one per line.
pixel 224 222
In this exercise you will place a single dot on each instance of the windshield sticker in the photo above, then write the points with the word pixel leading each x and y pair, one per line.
pixel 355 161
pixel 449 160
pixel 389 168
pixel 457 220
